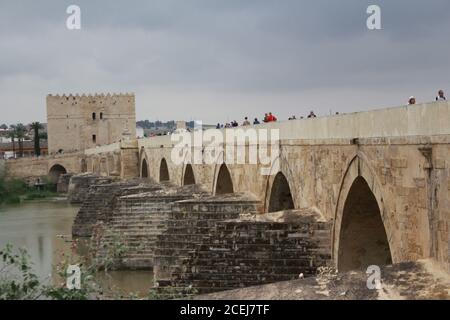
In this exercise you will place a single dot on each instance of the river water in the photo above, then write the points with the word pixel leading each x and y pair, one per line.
pixel 44 229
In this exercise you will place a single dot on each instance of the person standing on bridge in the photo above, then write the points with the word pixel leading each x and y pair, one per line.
pixel 271 118
pixel 441 96
pixel 246 122
pixel 412 100
pixel 312 115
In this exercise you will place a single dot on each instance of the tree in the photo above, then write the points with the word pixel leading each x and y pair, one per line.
pixel 36 126
pixel 4 127
pixel 12 135
pixel 43 136
pixel 20 131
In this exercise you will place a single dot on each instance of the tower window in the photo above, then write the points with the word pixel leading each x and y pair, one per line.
pixel 94 138
pixel 101 115
pixel 94 116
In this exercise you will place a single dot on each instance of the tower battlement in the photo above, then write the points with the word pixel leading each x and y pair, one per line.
pixel 90 95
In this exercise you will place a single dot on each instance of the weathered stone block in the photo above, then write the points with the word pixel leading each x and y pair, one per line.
pixel 399 163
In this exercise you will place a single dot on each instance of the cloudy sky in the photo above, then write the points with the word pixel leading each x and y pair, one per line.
pixel 220 60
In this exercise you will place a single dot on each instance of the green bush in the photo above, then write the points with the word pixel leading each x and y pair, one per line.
pixel 12 199
pixel 17 280
pixel 12 191
pixel 35 195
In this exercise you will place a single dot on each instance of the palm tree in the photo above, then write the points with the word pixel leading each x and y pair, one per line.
pixel 36 126
pixel 20 135
pixel 12 135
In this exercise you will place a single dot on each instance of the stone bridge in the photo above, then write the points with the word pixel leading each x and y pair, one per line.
pixel 116 160
pixel 381 178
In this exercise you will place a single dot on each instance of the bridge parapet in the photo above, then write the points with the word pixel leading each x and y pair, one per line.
pixel 429 119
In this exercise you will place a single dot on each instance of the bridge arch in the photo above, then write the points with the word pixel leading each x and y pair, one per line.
pixel 278 186
pixel 83 165
pixel 111 167
pixel 55 172
pixel 188 175
pixel 104 166
pixel 362 240
pixel 164 171
pixel 96 164
pixel 280 196
pixel 363 234
pixel 223 182
pixel 144 168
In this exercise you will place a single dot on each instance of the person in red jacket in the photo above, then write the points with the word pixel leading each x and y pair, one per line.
pixel 272 118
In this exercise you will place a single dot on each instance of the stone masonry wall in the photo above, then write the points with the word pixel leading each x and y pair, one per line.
pixel 100 203
pixel 79 185
pixel 63 183
pixel 136 222
pixel 189 223
pixel 256 250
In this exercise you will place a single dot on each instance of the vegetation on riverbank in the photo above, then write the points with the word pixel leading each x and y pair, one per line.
pixel 19 282
pixel 14 191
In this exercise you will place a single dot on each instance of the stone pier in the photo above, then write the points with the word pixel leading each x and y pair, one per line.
pixel 136 222
pixel 247 251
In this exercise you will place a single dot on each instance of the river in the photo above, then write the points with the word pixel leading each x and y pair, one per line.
pixel 44 229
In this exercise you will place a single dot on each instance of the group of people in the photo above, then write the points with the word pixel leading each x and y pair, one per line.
pixel 268 117
pixel 440 97
pixel 310 115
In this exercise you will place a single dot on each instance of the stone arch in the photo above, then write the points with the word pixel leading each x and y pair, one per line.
pixel 224 183
pixel 280 166
pixel 362 240
pixel 144 168
pixel 280 195
pixel 103 166
pixel 96 165
pixel 84 167
pixel 360 184
pixel 164 171
pixel 111 168
pixel 55 172
pixel 188 176
pixel 117 163
pixel 144 164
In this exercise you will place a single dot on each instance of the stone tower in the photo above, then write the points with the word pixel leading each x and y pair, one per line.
pixel 76 123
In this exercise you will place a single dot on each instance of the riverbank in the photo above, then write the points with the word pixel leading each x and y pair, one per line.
pixel 14 191
pixel 421 280
pixel 43 227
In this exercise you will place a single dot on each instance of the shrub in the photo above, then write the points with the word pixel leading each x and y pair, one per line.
pixel 17 280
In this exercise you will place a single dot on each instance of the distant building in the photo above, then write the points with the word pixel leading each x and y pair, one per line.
pixel 139 132
pixel 76 123
pixel 9 149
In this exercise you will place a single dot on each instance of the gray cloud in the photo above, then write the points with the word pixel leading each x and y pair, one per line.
pixel 220 60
